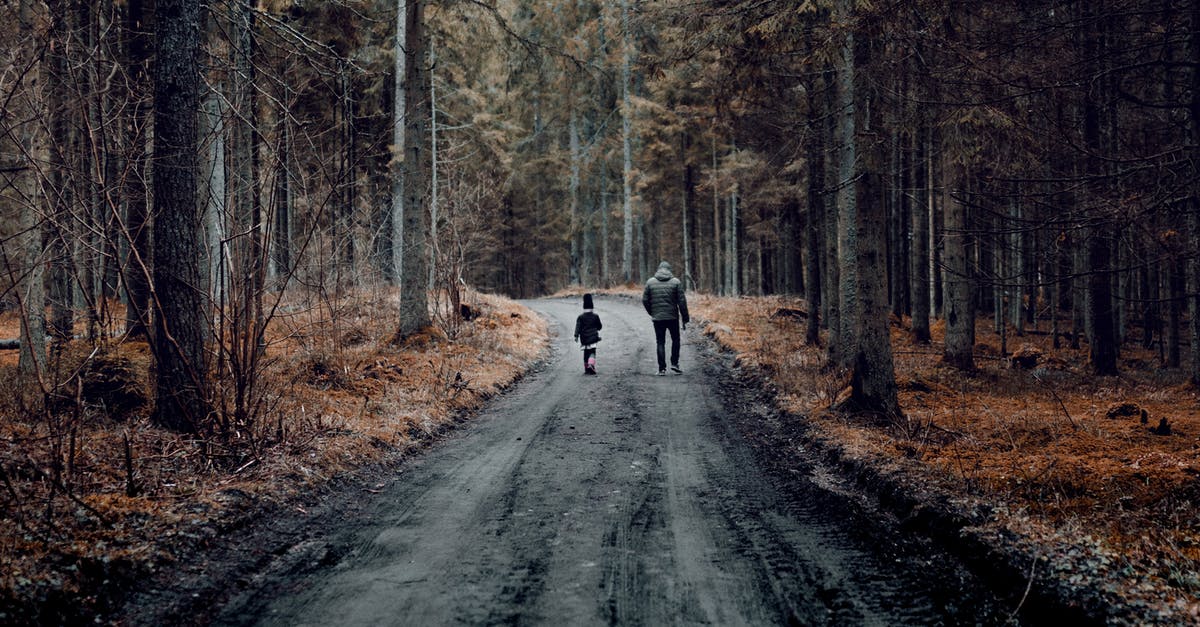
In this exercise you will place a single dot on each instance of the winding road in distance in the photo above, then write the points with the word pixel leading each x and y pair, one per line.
pixel 624 498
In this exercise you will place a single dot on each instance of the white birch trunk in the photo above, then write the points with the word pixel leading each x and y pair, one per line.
pixel 213 190
pixel 398 150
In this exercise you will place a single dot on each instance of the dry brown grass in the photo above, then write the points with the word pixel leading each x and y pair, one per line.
pixel 337 395
pixel 1103 500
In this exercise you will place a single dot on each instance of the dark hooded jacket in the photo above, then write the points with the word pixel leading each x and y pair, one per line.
pixel 587 328
pixel 587 325
pixel 663 297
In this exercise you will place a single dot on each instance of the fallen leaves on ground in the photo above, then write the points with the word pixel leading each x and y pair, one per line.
pixel 90 500
pixel 1073 466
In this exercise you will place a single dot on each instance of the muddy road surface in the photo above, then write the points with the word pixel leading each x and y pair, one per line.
pixel 621 498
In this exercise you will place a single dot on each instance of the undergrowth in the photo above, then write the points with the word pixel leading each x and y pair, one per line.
pixel 92 498
pixel 1071 465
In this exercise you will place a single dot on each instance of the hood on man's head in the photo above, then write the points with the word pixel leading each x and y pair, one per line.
pixel 587 301
pixel 664 272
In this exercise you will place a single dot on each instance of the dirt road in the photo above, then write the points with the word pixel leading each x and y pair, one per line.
pixel 620 498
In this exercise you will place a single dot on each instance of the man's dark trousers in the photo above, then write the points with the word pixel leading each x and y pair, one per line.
pixel 660 331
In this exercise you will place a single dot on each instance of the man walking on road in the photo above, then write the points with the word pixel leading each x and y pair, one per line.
pixel 664 300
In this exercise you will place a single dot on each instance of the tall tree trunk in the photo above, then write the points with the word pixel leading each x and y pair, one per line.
pixel 435 256
pixel 689 199
pixel 216 273
pixel 733 268
pixel 178 337
pixel 414 299
pixel 32 286
pixel 1175 290
pixel 1102 342
pixel 921 210
pixel 814 223
pixel 97 150
pixel 873 377
pixel 1102 339
pixel 937 220
pixel 60 195
pixel 831 281
pixel 282 245
pixel 1193 202
pixel 1080 324
pixel 626 146
pixel 1017 268
pixel 605 211
pixel 346 211
pixel 247 213
pixel 847 211
pixel 960 315
pixel 136 269
pixel 717 267
pixel 399 101
pixel 573 190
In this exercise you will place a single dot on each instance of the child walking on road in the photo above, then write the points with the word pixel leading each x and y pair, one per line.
pixel 587 333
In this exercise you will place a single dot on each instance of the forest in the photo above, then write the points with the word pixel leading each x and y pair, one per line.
pixel 208 205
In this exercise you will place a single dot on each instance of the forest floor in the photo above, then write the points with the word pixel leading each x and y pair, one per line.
pixel 1073 478
pixel 93 496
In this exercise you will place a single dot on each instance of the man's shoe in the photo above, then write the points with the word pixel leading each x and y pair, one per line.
pixel 662 373
pixel 676 370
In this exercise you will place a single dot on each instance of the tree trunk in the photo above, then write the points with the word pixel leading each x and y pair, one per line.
pixel 247 211
pixel 732 267
pixel 399 102
pixel 831 281
pixel 718 285
pixel 435 256
pixel 135 270
pixel 873 377
pixel 937 235
pixel 573 190
pixel 960 315
pixel 216 273
pixel 282 248
pixel 1017 268
pixel 178 339
pixel 847 211
pixel 1102 341
pixel 345 235
pixel 814 224
pixel 919 285
pixel 1175 289
pixel 626 147
pixel 689 199
pixel 31 290
pixel 1193 206
pixel 60 195
pixel 1102 338
pixel 414 299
